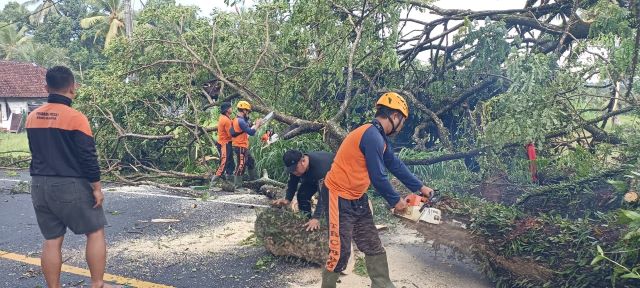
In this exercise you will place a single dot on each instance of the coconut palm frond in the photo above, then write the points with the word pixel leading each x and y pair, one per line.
pixel 89 22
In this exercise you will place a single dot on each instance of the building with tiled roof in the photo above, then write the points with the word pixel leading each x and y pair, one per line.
pixel 22 89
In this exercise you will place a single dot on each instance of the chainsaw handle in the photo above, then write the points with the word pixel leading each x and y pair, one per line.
pixel 433 194
pixel 420 198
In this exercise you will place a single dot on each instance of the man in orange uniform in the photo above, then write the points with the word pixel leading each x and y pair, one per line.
pixel 266 136
pixel 65 179
pixel 361 160
pixel 240 132
pixel 223 144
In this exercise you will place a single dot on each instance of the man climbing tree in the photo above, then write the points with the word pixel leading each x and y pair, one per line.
pixel 223 144
pixel 308 169
pixel 360 161
pixel 240 132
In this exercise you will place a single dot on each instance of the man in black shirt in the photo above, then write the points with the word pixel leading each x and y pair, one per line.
pixel 307 169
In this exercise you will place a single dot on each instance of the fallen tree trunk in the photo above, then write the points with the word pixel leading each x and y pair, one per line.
pixel 505 242
pixel 283 234
pixel 465 242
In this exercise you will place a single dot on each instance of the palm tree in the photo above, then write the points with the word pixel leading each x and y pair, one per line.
pixel 43 54
pixel 42 10
pixel 110 23
pixel 12 42
pixel 16 45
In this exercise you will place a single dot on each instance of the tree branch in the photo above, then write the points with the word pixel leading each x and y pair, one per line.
pixel 443 132
pixel 447 157
pixel 264 49
pixel 466 94
pixel 347 97
pixel 636 48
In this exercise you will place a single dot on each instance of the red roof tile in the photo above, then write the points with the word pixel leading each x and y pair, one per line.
pixel 19 79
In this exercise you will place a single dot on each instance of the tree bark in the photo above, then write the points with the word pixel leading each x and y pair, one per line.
pixel 283 234
pixel 128 21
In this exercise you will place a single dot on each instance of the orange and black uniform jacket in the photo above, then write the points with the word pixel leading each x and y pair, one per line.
pixel 224 125
pixel 240 131
pixel 361 160
pixel 61 141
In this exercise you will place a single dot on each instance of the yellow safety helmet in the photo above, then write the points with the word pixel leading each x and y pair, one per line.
pixel 394 101
pixel 244 105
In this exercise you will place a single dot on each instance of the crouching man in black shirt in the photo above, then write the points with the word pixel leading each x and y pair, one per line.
pixel 308 170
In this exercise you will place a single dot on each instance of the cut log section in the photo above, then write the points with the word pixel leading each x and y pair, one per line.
pixel 631 197
pixel 461 240
pixel 283 234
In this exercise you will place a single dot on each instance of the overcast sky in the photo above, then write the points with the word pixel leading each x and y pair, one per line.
pixel 207 5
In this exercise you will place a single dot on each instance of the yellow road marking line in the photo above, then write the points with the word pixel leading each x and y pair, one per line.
pixel 84 272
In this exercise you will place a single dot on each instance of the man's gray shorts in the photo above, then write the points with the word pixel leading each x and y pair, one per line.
pixel 62 202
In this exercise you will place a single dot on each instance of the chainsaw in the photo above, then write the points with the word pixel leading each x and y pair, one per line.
pixel 421 209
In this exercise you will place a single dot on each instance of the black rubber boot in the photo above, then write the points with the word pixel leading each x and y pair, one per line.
pixel 253 175
pixel 237 182
pixel 378 270
pixel 329 279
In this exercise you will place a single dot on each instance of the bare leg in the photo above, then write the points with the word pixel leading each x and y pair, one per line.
pixel 96 255
pixel 51 261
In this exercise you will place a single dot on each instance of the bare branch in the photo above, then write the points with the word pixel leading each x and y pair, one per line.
pixel 466 94
pixel 264 48
pixel 447 157
pixel 156 63
pixel 636 51
pixel 148 137
pixel 354 47
pixel 443 132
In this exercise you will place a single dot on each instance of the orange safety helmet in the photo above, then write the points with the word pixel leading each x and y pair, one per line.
pixel 394 101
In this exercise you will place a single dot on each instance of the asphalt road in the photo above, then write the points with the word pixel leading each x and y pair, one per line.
pixel 209 245
pixel 128 216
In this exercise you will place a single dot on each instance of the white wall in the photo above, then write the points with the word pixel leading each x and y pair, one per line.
pixel 3 111
pixel 16 105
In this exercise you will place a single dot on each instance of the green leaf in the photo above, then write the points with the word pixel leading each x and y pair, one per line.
pixel 627 216
pixel 597 259
pixel 635 216
pixel 600 250
pixel 620 186
pixel 632 234
pixel 91 21
pixel 631 275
